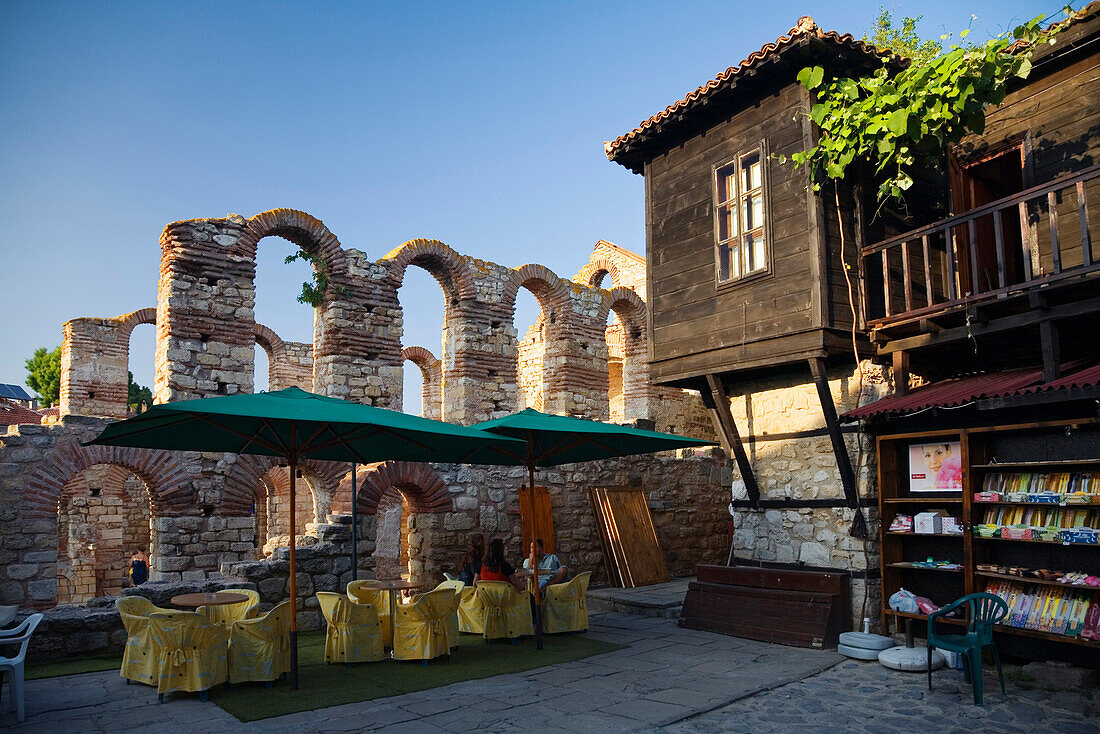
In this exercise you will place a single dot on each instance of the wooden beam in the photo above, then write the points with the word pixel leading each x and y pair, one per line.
pixel 900 369
pixel 844 463
pixel 1052 352
pixel 727 426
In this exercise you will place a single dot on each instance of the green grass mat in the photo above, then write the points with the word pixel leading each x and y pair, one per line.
pixel 72 666
pixel 322 685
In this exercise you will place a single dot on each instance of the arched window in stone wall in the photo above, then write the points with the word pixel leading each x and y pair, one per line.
pixel 450 271
pixel 630 393
pixel 431 381
pixel 95 361
pixel 403 525
pixel 104 516
pixel 272 506
pixel 534 380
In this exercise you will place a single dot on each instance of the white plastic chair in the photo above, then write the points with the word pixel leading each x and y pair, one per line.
pixel 21 636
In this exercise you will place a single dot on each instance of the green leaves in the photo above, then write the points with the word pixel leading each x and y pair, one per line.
pixel 897 122
pixel 313 294
pixel 810 77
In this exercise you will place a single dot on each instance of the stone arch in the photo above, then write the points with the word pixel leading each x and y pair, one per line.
pixel 247 474
pixel 103 516
pixel 450 269
pixel 163 472
pixel 271 343
pixel 627 341
pixel 421 485
pixel 431 371
pixel 549 290
pixel 593 271
pixel 127 321
pixel 302 229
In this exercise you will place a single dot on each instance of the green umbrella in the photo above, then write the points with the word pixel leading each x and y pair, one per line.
pixel 558 439
pixel 294 424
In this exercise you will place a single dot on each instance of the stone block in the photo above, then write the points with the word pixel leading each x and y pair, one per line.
pixel 44 590
pixel 22 571
pixel 814 554
pixel 193 575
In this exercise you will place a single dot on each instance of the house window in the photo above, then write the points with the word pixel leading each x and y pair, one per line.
pixel 740 212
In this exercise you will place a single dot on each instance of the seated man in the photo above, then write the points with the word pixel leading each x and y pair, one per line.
pixel 547 562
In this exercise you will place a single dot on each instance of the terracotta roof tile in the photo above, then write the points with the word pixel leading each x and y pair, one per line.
pixel 13 414
pixel 806 27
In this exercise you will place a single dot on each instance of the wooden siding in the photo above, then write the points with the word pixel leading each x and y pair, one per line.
pixel 697 325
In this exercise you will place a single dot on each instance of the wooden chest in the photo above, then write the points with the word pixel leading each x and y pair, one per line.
pixel 800 608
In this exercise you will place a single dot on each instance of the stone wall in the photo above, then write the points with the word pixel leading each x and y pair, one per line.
pixel 806 468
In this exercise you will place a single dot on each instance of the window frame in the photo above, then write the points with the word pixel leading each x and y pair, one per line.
pixel 764 227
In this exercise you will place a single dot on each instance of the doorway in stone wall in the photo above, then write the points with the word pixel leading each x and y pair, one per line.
pixel 391 542
pixel 271 508
pixel 104 516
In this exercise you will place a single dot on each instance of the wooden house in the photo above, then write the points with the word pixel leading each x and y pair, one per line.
pixel 983 304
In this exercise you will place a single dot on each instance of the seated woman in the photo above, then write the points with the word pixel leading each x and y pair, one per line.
pixel 471 562
pixel 495 568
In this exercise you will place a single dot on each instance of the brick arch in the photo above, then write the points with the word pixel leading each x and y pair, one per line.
pixel 243 481
pixel 163 472
pixel 627 305
pixel 450 269
pixel 270 342
pixel 427 362
pixel 127 322
pixel 590 273
pixel 549 290
pixel 304 230
pixel 419 484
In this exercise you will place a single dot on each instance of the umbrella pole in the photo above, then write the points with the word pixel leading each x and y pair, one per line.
pixel 354 528
pixel 535 563
pixel 293 587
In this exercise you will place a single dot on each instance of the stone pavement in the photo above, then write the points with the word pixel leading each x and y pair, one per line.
pixel 668 679
pixel 657 600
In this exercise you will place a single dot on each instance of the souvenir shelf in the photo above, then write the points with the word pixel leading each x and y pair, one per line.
pixel 1027 521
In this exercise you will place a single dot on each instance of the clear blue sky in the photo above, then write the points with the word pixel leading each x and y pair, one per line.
pixel 479 124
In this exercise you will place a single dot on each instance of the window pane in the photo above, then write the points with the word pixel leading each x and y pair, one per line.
pixel 727 223
pixel 728 265
pixel 750 165
pixel 752 211
pixel 754 251
pixel 727 183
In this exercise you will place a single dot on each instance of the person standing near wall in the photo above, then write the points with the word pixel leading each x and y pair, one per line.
pixel 139 568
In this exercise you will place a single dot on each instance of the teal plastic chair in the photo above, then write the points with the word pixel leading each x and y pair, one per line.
pixel 984 611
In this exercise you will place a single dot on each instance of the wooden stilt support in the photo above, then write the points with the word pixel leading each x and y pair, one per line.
pixel 900 371
pixel 719 405
pixel 1052 351
pixel 843 462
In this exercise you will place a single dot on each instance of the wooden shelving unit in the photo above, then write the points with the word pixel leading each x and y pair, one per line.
pixel 1015 448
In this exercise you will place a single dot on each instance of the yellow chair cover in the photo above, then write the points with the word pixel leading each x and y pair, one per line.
pixel 506 612
pixel 564 608
pixel 450 615
pixel 420 629
pixel 259 649
pixel 227 614
pixel 191 651
pixel 139 663
pixel 471 616
pixel 362 592
pixel 354 634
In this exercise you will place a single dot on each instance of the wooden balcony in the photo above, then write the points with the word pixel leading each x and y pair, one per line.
pixel 1009 263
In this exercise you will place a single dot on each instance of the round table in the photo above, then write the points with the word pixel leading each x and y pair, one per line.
pixel 208 600
pixel 393 587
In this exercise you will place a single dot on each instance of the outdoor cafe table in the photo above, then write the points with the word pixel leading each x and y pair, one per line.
pixel 208 600
pixel 393 587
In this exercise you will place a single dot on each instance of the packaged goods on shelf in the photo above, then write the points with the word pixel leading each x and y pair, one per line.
pixel 1052 609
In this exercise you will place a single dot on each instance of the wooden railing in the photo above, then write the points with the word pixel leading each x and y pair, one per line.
pixel 972 256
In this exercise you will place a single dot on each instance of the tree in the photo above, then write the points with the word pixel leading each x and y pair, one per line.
pixel 903 40
pixel 44 374
pixel 137 395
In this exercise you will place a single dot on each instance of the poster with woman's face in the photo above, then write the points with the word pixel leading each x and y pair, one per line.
pixel 935 467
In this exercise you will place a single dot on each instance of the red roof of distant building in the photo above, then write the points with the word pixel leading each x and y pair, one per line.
pixel 962 390
pixel 13 414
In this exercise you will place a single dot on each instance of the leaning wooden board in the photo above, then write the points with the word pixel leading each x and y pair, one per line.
pixel 801 608
pixel 631 549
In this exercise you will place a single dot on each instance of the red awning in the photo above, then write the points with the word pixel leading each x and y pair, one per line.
pixel 963 390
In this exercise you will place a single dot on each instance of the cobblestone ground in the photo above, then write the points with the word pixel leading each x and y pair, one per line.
pixel 667 679
pixel 865 697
